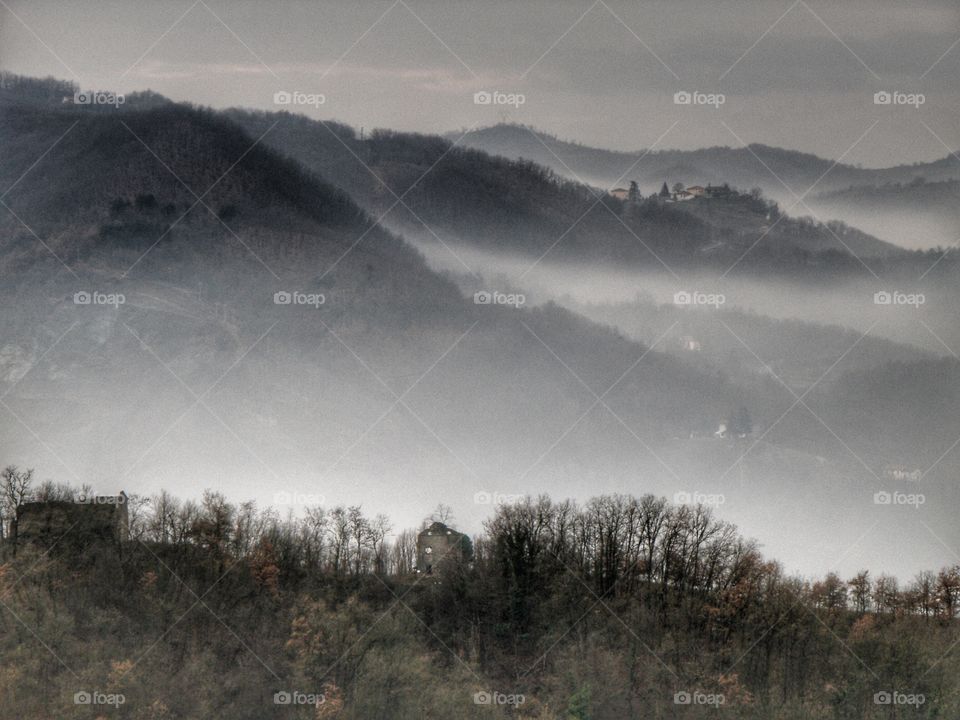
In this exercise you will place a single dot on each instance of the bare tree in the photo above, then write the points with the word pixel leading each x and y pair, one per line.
pixel 378 530
pixel 442 513
pixel 339 529
pixel 861 588
pixel 403 554
pixel 163 517
pixel 360 534
pixel 14 490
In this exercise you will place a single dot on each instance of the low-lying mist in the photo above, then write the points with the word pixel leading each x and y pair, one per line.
pixel 920 313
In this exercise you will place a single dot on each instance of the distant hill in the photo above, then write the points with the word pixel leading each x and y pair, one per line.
pixel 209 372
pixel 113 209
pixel 916 213
pixel 523 208
pixel 910 398
pixel 755 166
pixel 52 93
pixel 798 352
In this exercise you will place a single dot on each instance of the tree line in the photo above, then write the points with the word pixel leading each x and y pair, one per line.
pixel 609 608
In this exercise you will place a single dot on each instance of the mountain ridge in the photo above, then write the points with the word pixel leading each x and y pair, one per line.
pixel 511 140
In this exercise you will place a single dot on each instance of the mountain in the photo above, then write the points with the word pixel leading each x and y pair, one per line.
pixel 883 379
pixel 197 302
pixel 428 188
pixel 143 340
pixel 748 347
pixel 753 166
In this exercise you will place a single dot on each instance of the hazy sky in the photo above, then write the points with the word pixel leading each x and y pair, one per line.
pixel 795 74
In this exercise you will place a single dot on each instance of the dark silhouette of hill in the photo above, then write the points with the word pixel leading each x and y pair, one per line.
pixel 755 165
pixel 113 208
pixel 395 379
pixel 524 207
pixel 684 613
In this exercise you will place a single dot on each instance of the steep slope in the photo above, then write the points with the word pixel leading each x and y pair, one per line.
pixel 749 347
pixel 175 362
pixel 514 206
pixel 372 380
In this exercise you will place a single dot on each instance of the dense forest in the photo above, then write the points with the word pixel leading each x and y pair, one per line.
pixel 621 607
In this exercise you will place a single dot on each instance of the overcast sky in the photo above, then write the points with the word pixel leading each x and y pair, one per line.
pixel 800 75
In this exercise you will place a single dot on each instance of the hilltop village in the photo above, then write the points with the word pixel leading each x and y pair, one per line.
pixel 678 193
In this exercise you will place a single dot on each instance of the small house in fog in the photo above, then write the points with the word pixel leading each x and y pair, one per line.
pixel 437 544
pixel 620 193
pixel 697 190
pixel 690 343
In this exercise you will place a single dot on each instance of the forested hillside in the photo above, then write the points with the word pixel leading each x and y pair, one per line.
pixel 621 607
pixel 756 165
pixel 199 228
pixel 399 377
pixel 424 186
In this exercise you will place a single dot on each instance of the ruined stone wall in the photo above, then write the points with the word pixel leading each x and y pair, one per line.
pixel 72 524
